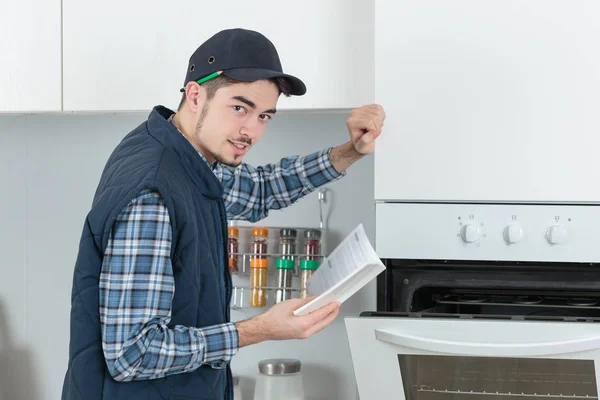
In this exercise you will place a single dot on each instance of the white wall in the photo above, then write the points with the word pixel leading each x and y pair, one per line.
pixel 49 169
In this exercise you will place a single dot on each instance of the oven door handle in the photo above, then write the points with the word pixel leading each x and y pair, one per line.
pixel 435 345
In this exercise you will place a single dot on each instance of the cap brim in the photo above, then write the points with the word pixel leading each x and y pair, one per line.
pixel 255 74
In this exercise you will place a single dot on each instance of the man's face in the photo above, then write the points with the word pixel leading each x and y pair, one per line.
pixel 234 120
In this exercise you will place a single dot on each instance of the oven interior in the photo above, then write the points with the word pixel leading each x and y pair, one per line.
pixel 491 289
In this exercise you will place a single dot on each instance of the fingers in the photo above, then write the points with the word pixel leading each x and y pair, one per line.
pixel 322 324
pixel 298 302
pixel 373 109
pixel 316 316
pixel 289 306
pixel 360 124
pixel 373 113
pixel 370 137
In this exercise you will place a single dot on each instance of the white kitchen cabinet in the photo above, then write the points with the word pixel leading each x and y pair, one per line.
pixel 491 100
pixel 133 54
pixel 30 58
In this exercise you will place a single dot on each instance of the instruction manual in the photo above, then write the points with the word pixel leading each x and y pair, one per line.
pixel 348 268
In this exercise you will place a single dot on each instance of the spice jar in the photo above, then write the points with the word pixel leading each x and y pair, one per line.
pixel 259 265
pixel 287 243
pixel 259 242
pixel 307 268
pixel 233 248
pixel 312 244
pixel 258 282
pixel 285 269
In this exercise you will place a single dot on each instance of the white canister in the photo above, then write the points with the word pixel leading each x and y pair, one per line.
pixel 278 379
pixel 237 391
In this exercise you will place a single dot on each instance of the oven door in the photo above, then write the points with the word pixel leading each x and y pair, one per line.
pixel 397 356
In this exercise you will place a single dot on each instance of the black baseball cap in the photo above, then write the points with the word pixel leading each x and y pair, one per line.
pixel 240 54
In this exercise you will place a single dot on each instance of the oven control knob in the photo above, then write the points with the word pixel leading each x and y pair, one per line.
pixel 469 233
pixel 556 234
pixel 513 233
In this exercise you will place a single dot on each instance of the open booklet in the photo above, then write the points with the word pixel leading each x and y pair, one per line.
pixel 348 268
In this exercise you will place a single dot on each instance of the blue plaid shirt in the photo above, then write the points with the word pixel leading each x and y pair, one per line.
pixel 137 284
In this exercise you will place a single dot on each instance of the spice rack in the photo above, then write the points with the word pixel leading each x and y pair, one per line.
pixel 244 255
pixel 298 255
pixel 257 266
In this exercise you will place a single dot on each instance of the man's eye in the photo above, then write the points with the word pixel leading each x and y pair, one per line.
pixel 265 117
pixel 239 108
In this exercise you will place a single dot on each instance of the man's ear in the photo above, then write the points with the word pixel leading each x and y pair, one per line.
pixel 195 96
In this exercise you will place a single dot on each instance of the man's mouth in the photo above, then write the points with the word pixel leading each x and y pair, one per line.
pixel 240 148
pixel 238 144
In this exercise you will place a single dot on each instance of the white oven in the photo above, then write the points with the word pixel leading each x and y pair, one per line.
pixel 487 202
pixel 482 301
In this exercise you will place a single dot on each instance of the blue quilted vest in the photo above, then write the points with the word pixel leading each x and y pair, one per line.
pixel 154 156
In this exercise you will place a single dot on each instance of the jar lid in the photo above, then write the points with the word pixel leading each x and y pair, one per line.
pixel 309 264
pixel 279 366
pixel 233 231
pixel 288 232
pixel 283 263
pixel 260 232
pixel 312 234
pixel 259 263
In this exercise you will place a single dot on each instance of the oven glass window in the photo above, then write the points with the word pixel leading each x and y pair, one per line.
pixel 474 378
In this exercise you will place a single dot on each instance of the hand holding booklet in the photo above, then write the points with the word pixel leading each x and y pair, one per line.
pixel 348 268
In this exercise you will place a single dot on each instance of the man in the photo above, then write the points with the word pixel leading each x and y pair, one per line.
pixel 151 290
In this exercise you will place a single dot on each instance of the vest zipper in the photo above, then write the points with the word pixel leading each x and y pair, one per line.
pixel 226 278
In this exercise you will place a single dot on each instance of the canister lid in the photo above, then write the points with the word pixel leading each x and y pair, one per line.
pixel 233 231
pixel 312 234
pixel 282 263
pixel 260 232
pixel 259 263
pixel 279 366
pixel 287 232
pixel 309 264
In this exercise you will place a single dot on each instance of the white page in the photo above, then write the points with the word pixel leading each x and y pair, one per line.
pixel 348 268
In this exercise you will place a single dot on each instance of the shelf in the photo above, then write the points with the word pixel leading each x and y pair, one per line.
pixel 240 297
pixel 521 301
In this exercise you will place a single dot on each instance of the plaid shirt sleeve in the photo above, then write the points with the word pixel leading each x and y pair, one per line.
pixel 136 293
pixel 250 192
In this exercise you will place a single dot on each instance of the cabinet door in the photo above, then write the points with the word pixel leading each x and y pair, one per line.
pixel 133 55
pixel 30 64
pixel 491 100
